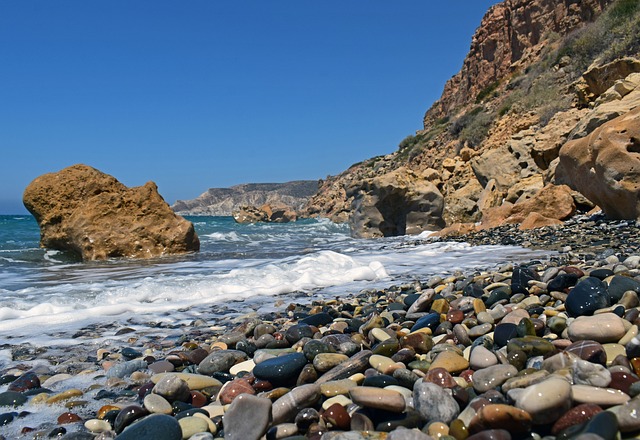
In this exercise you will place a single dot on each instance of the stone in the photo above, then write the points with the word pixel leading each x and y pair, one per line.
pixel 156 404
pixel 605 166
pixel 602 328
pixel 575 416
pixel 325 361
pixel 627 415
pixel 126 368
pixel 545 401
pixel 356 364
pixel 553 202
pixel 401 202
pixel 588 295
pixel 233 389
pixel 286 407
pixel 373 397
pixel 194 381
pixel 12 398
pixel 440 377
pixel 127 416
pixel 337 387
pixel 597 395
pixel 587 350
pixel 434 403
pixel 27 381
pixel 190 426
pixel 450 361
pixel 282 369
pixel 155 426
pixel 220 361
pixel 618 285
pixel 173 389
pixel 481 357
pixel 87 212
pixel 278 213
pixel 492 377
pixel 235 418
pixel 500 416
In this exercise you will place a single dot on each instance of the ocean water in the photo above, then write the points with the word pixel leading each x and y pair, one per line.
pixel 47 297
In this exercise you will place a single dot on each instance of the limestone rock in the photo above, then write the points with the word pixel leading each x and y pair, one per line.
pixel 397 203
pixel 605 166
pixel 552 202
pixel 265 214
pixel 598 79
pixel 92 214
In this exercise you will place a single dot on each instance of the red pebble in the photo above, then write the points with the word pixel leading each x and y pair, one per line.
pixel 68 417
pixel 575 416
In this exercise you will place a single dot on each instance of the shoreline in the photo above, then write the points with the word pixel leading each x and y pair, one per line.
pixel 370 336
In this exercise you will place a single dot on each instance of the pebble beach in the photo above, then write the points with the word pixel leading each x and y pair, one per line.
pixel 543 349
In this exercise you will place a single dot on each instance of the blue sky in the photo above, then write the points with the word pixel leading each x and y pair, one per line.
pixel 210 93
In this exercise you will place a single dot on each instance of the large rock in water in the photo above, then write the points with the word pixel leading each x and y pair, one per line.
pixel 94 215
pixel 605 166
pixel 397 203
pixel 265 214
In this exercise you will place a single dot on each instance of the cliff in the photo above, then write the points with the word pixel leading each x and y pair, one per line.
pixel 223 201
pixel 539 73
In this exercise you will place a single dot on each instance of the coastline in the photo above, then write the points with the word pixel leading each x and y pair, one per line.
pixel 371 337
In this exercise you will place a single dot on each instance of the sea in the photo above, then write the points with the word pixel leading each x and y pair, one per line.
pixel 49 297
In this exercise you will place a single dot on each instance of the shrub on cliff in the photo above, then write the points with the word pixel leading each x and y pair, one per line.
pixel 614 34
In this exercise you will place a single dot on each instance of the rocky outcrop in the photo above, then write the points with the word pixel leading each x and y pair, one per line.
pixel 397 203
pixel 605 166
pixel 223 201
pixel 511 36
pixel 264 214
pixel 90 213
pixel 491 143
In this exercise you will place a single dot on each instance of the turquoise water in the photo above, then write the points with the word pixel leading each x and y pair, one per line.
pixel 47 295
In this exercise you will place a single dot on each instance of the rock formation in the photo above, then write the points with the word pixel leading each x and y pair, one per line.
pixel 605 166
pixel 224 201
pixel 511 35
pixel 539 73
pixel 396 203
pixel 265 214
pixel 92 214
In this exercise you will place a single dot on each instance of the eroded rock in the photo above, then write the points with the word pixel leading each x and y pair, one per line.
pixel 92 214
pixel 605 166
pixel 397 203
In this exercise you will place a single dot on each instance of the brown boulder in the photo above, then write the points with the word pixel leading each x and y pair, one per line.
pixel 397 203
pixel 94 215
pixel 605 166
pixel 552 202
pixel 265 214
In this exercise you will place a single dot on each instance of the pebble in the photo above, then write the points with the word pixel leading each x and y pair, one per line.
pixel 606 327
pixel 597 395
pixel 373 397
pixel 545 401
pixel 155 426
pixel 282 369
pixel 287 406
pixel 434 403
pixel 492 377
pixel 481 357
pixel 220 361
pixel 192 425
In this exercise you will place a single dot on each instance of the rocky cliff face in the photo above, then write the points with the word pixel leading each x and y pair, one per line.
pixel 511 37
pixel 223 201
pixel 539 73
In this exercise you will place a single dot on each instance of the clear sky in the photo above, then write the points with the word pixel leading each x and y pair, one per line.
pixel 210 93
